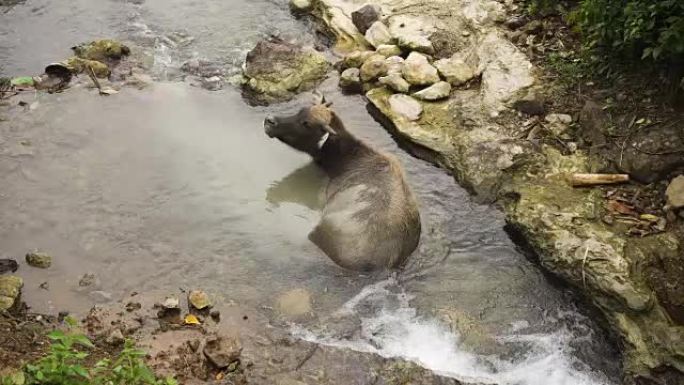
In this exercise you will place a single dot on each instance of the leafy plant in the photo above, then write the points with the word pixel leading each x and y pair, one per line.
pixel 65 364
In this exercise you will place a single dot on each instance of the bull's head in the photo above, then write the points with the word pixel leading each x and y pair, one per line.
pixel 307 130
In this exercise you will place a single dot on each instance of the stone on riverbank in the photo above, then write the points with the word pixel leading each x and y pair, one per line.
pixel 373 68
pixel 277 70
pixel 10 288
pixel 437 91
pixel 455 70
pixel 412 33
pixel 301 6
pixel 79 66
pixel 388 50
pixel 365 16
pixel 199 299
pixel 350 80
pixel 39 259
pixel 675 193
pixel 101 50
pixel 378 35
pixel 222 351
pixel 418 71
pixel 394 65
pixel 355 59
pixel 395 82
pixel 405 106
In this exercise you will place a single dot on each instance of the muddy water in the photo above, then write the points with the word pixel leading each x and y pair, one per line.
pixel 177 187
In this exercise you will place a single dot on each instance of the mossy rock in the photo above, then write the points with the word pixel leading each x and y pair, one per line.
pixel 78 66
pixel 101 50
pixel 10 288
pixel 277 71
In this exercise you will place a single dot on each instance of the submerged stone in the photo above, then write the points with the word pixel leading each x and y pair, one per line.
pixel 39 259
pixel 295 303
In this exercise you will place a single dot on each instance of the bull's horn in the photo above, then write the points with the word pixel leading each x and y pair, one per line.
pixel 319 98
pixel 329 129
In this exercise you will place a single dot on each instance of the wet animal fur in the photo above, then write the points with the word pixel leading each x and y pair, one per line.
pixel 370 220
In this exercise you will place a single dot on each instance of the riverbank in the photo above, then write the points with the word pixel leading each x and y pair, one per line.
pixel 500 139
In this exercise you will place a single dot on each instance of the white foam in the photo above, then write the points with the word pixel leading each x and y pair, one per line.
pixel 396 330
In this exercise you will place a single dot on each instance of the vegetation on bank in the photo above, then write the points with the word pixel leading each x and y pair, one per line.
pixel 617 33
pixel 68 362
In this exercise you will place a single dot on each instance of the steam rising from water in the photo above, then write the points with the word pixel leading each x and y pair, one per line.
pixel 394 329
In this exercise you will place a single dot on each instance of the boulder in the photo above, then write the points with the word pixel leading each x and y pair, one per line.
pixel 405 106
pixel 455 70
pixel 388 50
pixel 652 154
pixel 10 288
pixel 8 264
pixel 378 35
pixel 394 64
pixel 411 33
pixel 350 80
pixel 418 71
pixel 365 16
pixel 395 82
pixel 437 91
pixel 373 68
pixel 675 193
pixel 38 259
pixel 277 71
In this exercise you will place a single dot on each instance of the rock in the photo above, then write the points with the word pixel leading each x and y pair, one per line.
pixel 88 279
pixel 203 68
pixel 355 59
pixel 455 70
pixel 418 71
pixel 411 33
pixel 594 122
pixel 394 64
pixel 38 259
pixel 213 83
pixel 171 303
pixel 101 50
pixel 652 154
pixel 10 288
pixel 515 22
pixel 301 6
pixel 365 16
pixel 395 82
pixel 199 299
pixel 378 35
pixel 558 118
pixel 79 66
pixel 222 351
pixel 373 68
pixel 405 106
pixel 675 193
pixel 115 338
pixel 437 91
pixel 295 303
pixel 7 264
pixel 530 104
pixel 350 80
pixel 133 306
pixel 388 50
pixel 215 315
pixel 277 71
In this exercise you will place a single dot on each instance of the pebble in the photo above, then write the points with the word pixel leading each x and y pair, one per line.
pixel 39 259
pixel 215 315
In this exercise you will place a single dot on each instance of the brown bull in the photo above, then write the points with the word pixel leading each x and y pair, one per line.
pixel 370 220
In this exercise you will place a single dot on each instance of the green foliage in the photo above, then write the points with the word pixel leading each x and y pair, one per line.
pixel 646 29
pixel 540 7
pixel 66 364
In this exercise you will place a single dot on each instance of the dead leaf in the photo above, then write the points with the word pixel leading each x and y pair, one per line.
pixel 649 217
pixel 615 206
pixel 190 319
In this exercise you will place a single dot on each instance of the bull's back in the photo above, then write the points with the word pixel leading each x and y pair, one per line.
pixel 371 218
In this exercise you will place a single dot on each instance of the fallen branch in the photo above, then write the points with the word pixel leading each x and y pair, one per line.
pixel 579 180
pixel 92 76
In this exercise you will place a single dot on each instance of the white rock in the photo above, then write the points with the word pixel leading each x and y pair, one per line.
pixel 373 68
pixel 356 58
pixel 395 82
pixel 417 70
pixel 412 33
pixel 437 91
pixel 558 118
pixel 394 64
pixel 378 34
pixel 455 70
pixel 675 193
pixel 301 5
pixel 388 50
pixel 405 106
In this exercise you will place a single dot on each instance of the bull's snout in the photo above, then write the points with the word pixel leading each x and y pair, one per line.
pixel 269 125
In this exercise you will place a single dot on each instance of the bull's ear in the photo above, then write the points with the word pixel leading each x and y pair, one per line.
pixel 329 129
